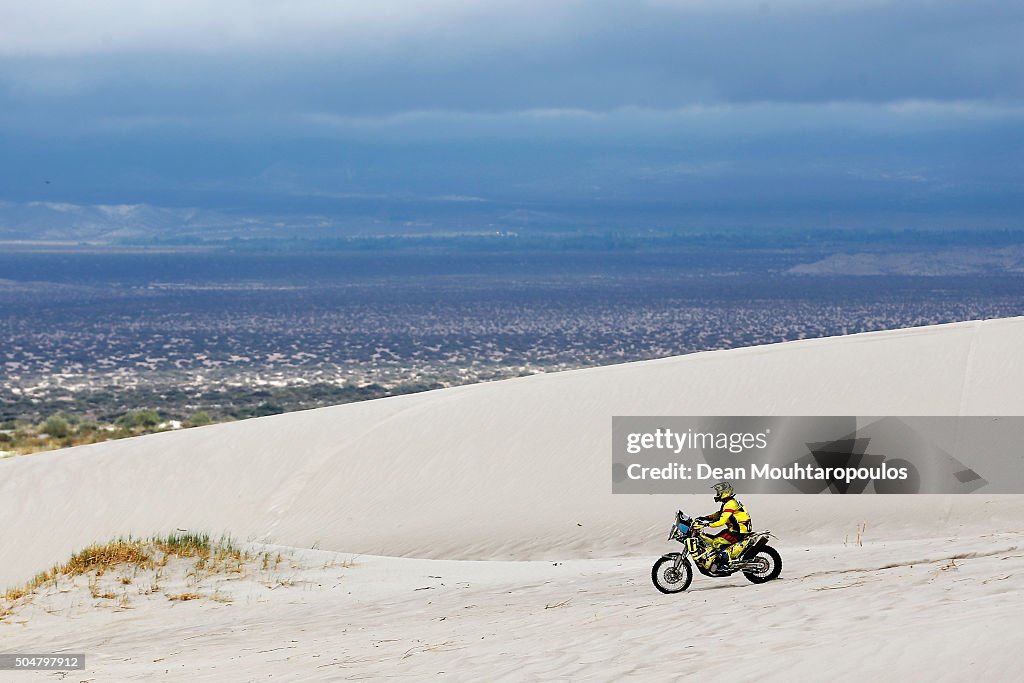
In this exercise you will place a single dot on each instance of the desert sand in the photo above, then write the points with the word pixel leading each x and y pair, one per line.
pixel 472 531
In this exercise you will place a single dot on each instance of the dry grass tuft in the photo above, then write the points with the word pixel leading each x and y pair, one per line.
pixel 100 558
pixel 135 554
pixel 346 563
pixel 182 597
pixel 12 594
pixel 143 566
pixel 96 558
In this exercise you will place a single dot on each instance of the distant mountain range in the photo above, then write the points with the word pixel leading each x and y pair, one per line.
pixel 58 221
pixel 350 216
pixel 459 223
pixel 962 261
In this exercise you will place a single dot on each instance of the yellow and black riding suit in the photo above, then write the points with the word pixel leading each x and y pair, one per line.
pixel 728 526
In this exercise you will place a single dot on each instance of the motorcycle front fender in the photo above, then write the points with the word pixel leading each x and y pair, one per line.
pixel 678 558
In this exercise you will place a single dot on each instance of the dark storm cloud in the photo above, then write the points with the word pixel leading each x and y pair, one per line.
pixel 868 103
pixel 513 56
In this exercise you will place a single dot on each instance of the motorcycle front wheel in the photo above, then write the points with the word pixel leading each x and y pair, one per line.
pixel 668 579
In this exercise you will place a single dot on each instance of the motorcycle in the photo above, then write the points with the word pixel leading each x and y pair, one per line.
pixel 752 556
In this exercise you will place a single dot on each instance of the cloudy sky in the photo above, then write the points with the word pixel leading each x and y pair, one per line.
pixel 561 113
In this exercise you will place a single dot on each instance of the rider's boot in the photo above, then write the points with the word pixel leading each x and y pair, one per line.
pixel 722 560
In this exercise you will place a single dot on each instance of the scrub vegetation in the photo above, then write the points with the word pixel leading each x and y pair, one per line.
pixel 182 566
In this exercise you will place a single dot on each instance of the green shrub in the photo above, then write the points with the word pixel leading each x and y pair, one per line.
pixel 201 418
pixel 56 426
pixel 139 419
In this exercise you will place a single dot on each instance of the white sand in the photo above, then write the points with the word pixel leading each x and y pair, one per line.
pixel 520 470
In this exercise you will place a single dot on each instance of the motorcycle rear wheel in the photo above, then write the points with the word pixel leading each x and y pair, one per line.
pixel 773 565
pixel 669 580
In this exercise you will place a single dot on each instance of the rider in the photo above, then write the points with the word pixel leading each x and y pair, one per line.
pixel 730 525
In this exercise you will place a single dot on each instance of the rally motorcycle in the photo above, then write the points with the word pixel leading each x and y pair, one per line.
pixel 752 556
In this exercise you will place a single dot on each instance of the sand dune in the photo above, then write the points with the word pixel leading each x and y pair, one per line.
pixel 893 611
pixel 520 470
